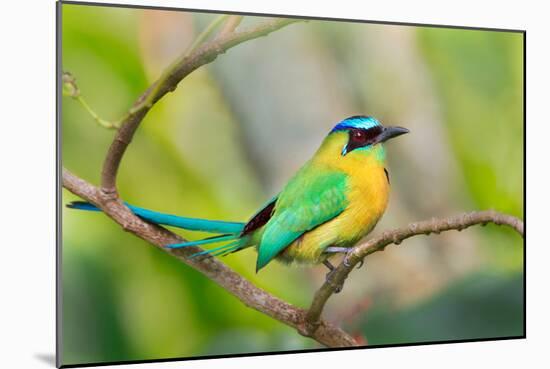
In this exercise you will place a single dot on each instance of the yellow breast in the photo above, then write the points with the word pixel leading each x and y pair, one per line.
pixel 367 193
pixel 368 198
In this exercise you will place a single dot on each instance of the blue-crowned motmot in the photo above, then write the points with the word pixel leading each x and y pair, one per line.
pixel 333 201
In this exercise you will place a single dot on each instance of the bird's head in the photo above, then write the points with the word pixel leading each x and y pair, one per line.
pixel 361 135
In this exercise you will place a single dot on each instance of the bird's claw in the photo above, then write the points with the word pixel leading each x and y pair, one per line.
pixel 347 263
pixel 346 258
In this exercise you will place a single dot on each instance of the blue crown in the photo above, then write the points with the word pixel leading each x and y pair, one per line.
pixel 357 121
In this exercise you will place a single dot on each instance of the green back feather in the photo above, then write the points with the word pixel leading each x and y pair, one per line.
pixel 312 197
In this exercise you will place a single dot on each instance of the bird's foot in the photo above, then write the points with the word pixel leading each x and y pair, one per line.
pixel 347 261
pixel 343 250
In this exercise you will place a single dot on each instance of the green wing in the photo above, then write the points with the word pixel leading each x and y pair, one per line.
pixel 310 199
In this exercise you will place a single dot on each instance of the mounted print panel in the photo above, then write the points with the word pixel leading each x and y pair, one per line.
pixel 244 184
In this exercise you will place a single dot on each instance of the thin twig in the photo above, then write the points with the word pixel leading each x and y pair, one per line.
pixel 204 34
pixel 358 253
pixel 168 81
pixel 230 25
pixel 102 122
pixel 70 89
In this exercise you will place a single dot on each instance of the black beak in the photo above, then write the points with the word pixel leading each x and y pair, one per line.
pixel 391 132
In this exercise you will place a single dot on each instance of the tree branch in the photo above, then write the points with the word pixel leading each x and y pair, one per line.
pixel 358 253
pixel 167 82
pixel 327 334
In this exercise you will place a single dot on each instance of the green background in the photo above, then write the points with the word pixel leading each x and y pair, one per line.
pixel 231 135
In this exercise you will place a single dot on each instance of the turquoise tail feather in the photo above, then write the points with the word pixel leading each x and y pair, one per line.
pixel 221 250
pixel 191 224
pixel 204 241
pixel 231 231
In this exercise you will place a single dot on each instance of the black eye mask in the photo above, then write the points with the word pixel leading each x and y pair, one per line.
pixel 360 137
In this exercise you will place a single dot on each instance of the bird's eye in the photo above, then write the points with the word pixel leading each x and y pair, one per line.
pixel 358 135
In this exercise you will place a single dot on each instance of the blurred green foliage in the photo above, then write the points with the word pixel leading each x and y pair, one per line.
pixel 481 73
pixel 218 145
pixel 465 310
